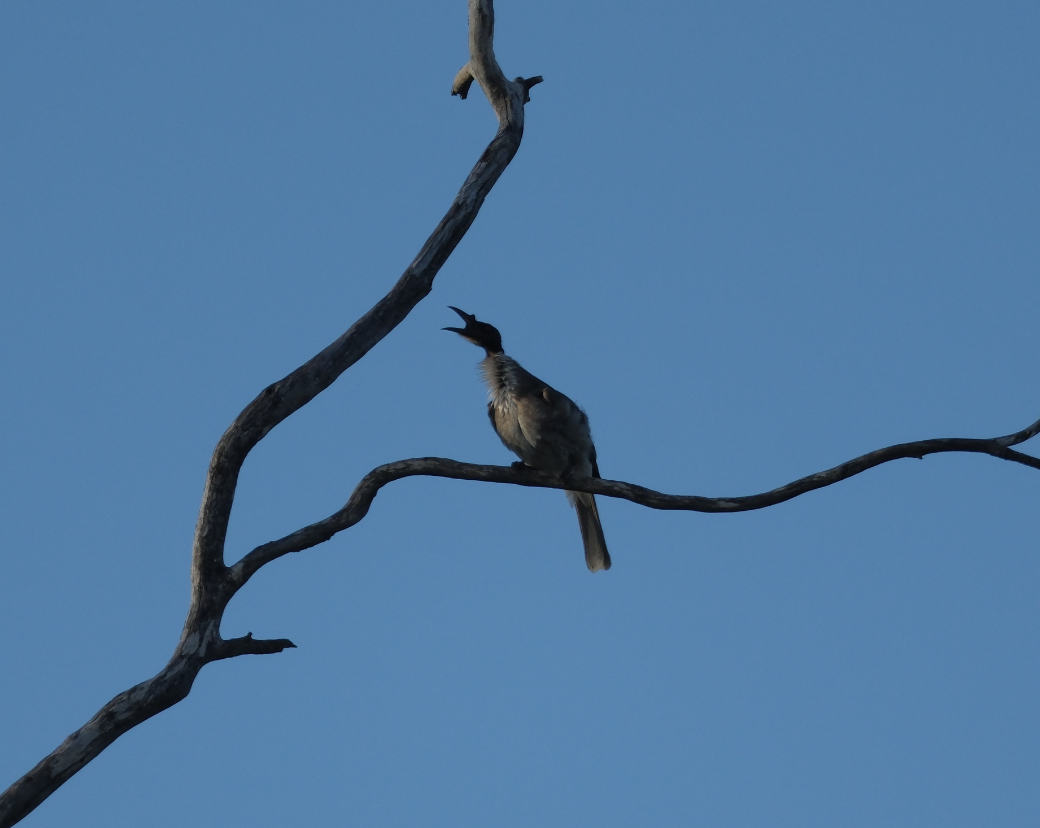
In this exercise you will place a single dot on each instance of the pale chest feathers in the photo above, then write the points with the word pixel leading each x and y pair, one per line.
pixel 543 427
pixel 501 375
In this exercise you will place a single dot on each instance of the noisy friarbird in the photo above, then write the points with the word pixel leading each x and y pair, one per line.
pixel 541 426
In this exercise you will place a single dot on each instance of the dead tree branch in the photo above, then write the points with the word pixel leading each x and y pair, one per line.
pixel 212 584
pixel 365 492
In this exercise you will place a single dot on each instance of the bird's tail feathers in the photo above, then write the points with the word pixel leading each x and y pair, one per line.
pixel 596 555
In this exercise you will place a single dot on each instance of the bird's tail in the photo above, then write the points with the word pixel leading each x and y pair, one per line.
pixel 596 555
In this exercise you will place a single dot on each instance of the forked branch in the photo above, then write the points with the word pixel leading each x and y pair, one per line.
pixel 214 583
pixel 212 586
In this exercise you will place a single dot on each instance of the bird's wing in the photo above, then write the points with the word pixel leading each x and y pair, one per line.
pixel 557 430
pixel 535 415
pixel 491 416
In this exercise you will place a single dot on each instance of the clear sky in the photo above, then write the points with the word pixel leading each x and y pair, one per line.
pixel 753 240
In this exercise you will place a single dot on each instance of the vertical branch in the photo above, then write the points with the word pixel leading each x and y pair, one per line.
pixel 212 584
pixel 288 395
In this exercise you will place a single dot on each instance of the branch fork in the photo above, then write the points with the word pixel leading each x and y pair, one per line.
pixel 214 583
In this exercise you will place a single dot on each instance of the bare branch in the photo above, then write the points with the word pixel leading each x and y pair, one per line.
pixel 247 645
pixel 361 499
pixel 463 81
pixel 527 83
pixel 200 641
pixel 214 584
pixel 125 711
pixel 288 395
pixel 1026 433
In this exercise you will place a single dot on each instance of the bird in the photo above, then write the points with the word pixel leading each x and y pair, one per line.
pixel 544 428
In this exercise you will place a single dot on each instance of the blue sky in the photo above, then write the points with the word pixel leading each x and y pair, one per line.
pixel 753 240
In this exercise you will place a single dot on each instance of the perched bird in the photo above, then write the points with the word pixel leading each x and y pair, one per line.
pixel 541 426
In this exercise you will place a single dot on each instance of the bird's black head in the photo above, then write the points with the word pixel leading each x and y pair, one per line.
pixel 479 333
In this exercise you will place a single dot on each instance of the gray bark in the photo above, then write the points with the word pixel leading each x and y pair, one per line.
pixel 214 583
pixel 364 493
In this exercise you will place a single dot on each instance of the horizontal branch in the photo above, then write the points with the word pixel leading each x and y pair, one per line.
pixel 361 499
pixel 247 645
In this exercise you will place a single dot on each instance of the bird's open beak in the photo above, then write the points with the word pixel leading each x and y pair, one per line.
pixel 466 317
